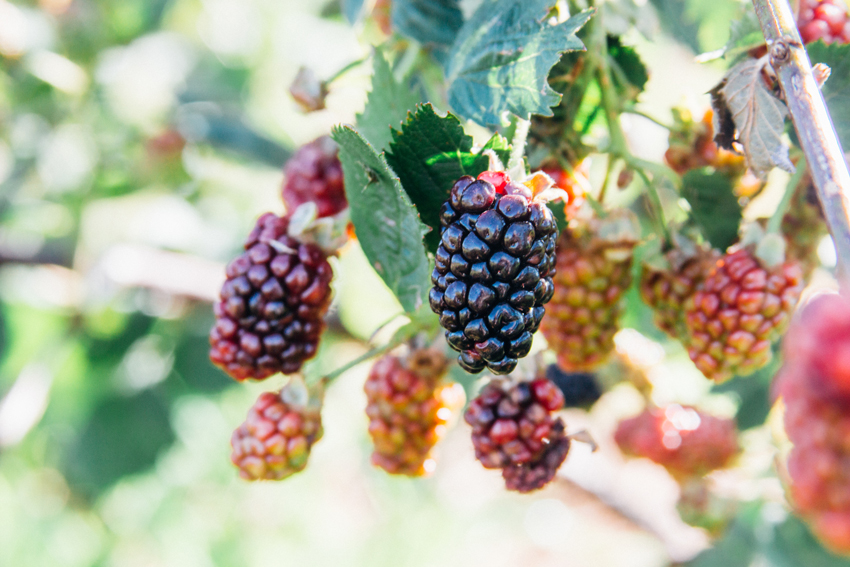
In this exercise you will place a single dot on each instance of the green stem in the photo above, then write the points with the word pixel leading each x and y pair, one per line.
pixel 774 225
pixel 377 351
pixel 345 70
pixel 612 161
pixel 655 199
pixel 648 117
pixel 520 137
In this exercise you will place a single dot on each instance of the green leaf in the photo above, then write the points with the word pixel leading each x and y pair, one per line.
pixel 386 223
pixel 123 436
pixel 433 23
pixel 793 544
pixel 387 105
pixel 753 393
pixel 429 154
pixel 836 90
pixel 736 549
pixel 713 205
pixel 629 72
pixel 501 60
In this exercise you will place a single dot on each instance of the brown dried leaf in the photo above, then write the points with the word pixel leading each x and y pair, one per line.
pixel 758 115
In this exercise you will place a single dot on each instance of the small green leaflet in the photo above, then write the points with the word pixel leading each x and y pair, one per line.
pixel 501 59
pixel 429 154
pixel 713 205
pixel 836 90
pixel 433 23
pixel 386 223
pixel 629 72
pixel 387 104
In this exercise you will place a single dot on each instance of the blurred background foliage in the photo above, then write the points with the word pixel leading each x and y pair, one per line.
pixel 139 140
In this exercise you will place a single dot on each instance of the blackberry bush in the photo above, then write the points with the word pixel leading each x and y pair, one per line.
pixel 270 313
pixel 493 271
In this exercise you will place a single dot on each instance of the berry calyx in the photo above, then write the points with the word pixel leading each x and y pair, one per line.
pixel 270 313
pixel 314 174
pixel 409 406
pixel 493 271
pixel 275 440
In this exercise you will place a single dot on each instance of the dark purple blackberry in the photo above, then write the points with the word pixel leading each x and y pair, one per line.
pixel 494 270
pixel 580 389
pixel 270 314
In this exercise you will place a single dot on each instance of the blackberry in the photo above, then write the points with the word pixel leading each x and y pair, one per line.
pixel 512 422
pixel 276 438
pixel 580 389
pixel 740 308
pixel 408 407
pixel 314 174
pixel 685 441
pixel 534 475
pixel 594 260
pixel 270 314
pixel 494 270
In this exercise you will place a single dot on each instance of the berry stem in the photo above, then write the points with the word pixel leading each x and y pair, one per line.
pixel 377 351
pixel 345 70
pixel 811 120
pixel 655 199
pixel 516 167
pixel 652 119
pixel 774 225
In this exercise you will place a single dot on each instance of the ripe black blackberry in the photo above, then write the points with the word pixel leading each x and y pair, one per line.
pixel 494 270
pixel 270 314
pixel 580 389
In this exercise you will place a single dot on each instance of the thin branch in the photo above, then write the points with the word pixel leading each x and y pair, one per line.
pixel 811 120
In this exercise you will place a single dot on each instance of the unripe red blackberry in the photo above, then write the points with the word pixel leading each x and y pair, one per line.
pixel 493 270
pixel 526 477
pixel 314 174
pixel 814 383
pixel 276 438
pixel 593 263
pixel 408 407
pixel 270 315
pixel 684 440
pixel 741 307
pixel 667 285
pixel 512 422
pixel 823 19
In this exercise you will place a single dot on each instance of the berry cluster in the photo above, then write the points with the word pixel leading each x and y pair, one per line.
pixel 667 287
pixel 493 270
pixel 276 438
pixel 270 314
pixel 314 174
pixel 823 19
pixel 593 272
pixel 814 383
pixel 687 442
pixel 741 307
pixel 513 429
pixel 408 408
